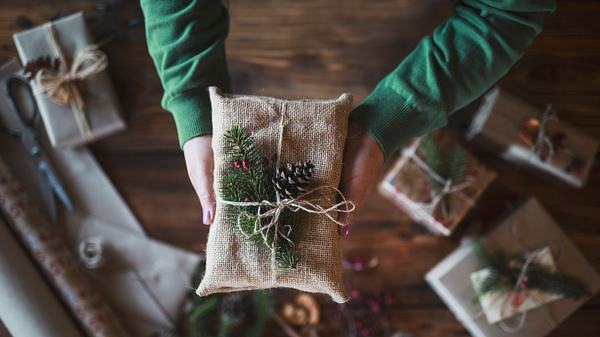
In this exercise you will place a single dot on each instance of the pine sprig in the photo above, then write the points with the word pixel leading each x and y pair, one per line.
pixel 431 153
pixel 457 164
pixel 249 178
pixel 451 166
pixel 504 272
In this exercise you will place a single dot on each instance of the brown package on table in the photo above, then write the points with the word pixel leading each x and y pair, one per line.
pixel 525 134
pixel 528 229
pixel 74 93
pixel 436 182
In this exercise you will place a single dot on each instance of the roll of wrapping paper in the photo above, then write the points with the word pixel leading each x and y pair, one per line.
pixel 28 307
pixel 55 259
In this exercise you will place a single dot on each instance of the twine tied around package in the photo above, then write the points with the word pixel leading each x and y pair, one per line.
pixel 272 210
pixel 449 187
pixel 60 86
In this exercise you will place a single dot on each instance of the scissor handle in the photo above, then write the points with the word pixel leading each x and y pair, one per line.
pixel 11 83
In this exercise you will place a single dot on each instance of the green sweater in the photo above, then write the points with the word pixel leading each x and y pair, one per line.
pixel 463 57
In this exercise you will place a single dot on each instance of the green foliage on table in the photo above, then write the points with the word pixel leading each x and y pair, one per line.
pixel 240 314
pixel 504 271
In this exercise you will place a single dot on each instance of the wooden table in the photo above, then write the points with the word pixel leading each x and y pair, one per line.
pixel 319 48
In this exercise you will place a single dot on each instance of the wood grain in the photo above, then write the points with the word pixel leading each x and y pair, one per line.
pixel 320 48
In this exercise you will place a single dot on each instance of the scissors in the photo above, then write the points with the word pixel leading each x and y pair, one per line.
pixel 29 137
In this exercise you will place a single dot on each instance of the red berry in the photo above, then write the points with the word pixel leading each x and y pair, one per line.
pixel 237 163
pixel 355 293
pixel 246 164
pixel 247 199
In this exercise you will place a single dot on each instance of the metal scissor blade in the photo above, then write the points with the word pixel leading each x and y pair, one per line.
pixel 55 184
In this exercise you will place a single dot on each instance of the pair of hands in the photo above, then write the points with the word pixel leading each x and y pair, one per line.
pixel 363 160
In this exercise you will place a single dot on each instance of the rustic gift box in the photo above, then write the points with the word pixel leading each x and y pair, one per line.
pixel 293 241
pixel 528 135
pixel 528 228
pixel 436 182
pixel 73 91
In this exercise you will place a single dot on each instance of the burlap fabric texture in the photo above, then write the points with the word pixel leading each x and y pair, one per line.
pixel 312 130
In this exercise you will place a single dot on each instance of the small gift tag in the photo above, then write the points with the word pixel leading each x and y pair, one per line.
pixel 500 305
pixel 536 137
pixel 68 73
pixel 436 182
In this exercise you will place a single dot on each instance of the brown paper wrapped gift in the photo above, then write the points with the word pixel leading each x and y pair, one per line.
pixel 529 135
pixel 80 110
pixel 528 228
pixel 411 185
pixel 293 130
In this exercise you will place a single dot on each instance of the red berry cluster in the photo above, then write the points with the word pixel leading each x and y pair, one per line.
pixel 245 164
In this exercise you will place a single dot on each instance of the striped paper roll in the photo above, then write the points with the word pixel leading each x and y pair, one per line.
pixel 28 307
pixel 55 259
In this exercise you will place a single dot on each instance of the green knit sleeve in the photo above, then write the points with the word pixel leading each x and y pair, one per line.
pixel 186 40
pixel 463 57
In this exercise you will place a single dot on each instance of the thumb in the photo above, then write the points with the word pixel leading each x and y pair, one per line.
pixel 363 160
pixel 204 189
pixel 351 188
pixel 200 163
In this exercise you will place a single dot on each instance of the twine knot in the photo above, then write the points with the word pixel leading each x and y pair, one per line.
pixel 449 186
pixel 271 211
pixel 59 86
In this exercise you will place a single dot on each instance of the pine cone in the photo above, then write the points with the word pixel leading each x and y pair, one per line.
pixel 42 62
pixel 292 180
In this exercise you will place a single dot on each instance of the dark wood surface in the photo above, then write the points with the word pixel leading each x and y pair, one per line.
pixel 319 48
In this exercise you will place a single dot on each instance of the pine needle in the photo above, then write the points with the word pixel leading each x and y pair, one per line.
pixel 505 271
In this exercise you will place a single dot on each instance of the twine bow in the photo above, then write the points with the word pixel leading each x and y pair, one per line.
pixel 449 187
pixel 271 211
pixel 60 86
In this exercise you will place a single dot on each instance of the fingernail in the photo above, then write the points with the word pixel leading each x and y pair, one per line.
pixel 207 217
pixel 346 230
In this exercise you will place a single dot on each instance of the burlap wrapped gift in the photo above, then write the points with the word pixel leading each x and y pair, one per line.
pixel 312 130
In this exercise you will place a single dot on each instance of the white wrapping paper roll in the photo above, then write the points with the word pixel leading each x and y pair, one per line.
pixel 28 306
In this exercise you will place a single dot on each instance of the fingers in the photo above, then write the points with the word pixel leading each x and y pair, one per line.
pixel 200 163
pixel 363 160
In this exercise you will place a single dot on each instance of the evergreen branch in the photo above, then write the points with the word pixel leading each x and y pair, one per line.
pixel 556 283
pixel 504 273
pixel 457 164
pixel 249 179
pixel 430 151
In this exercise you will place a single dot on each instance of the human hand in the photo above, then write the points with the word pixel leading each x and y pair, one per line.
pixel 363 161
pixel 199 161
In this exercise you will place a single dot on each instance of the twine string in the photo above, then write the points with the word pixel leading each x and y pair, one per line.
pixel 449 187
pixel 271 211
pixel 542 141
pixel 60 86
pixel 530 257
